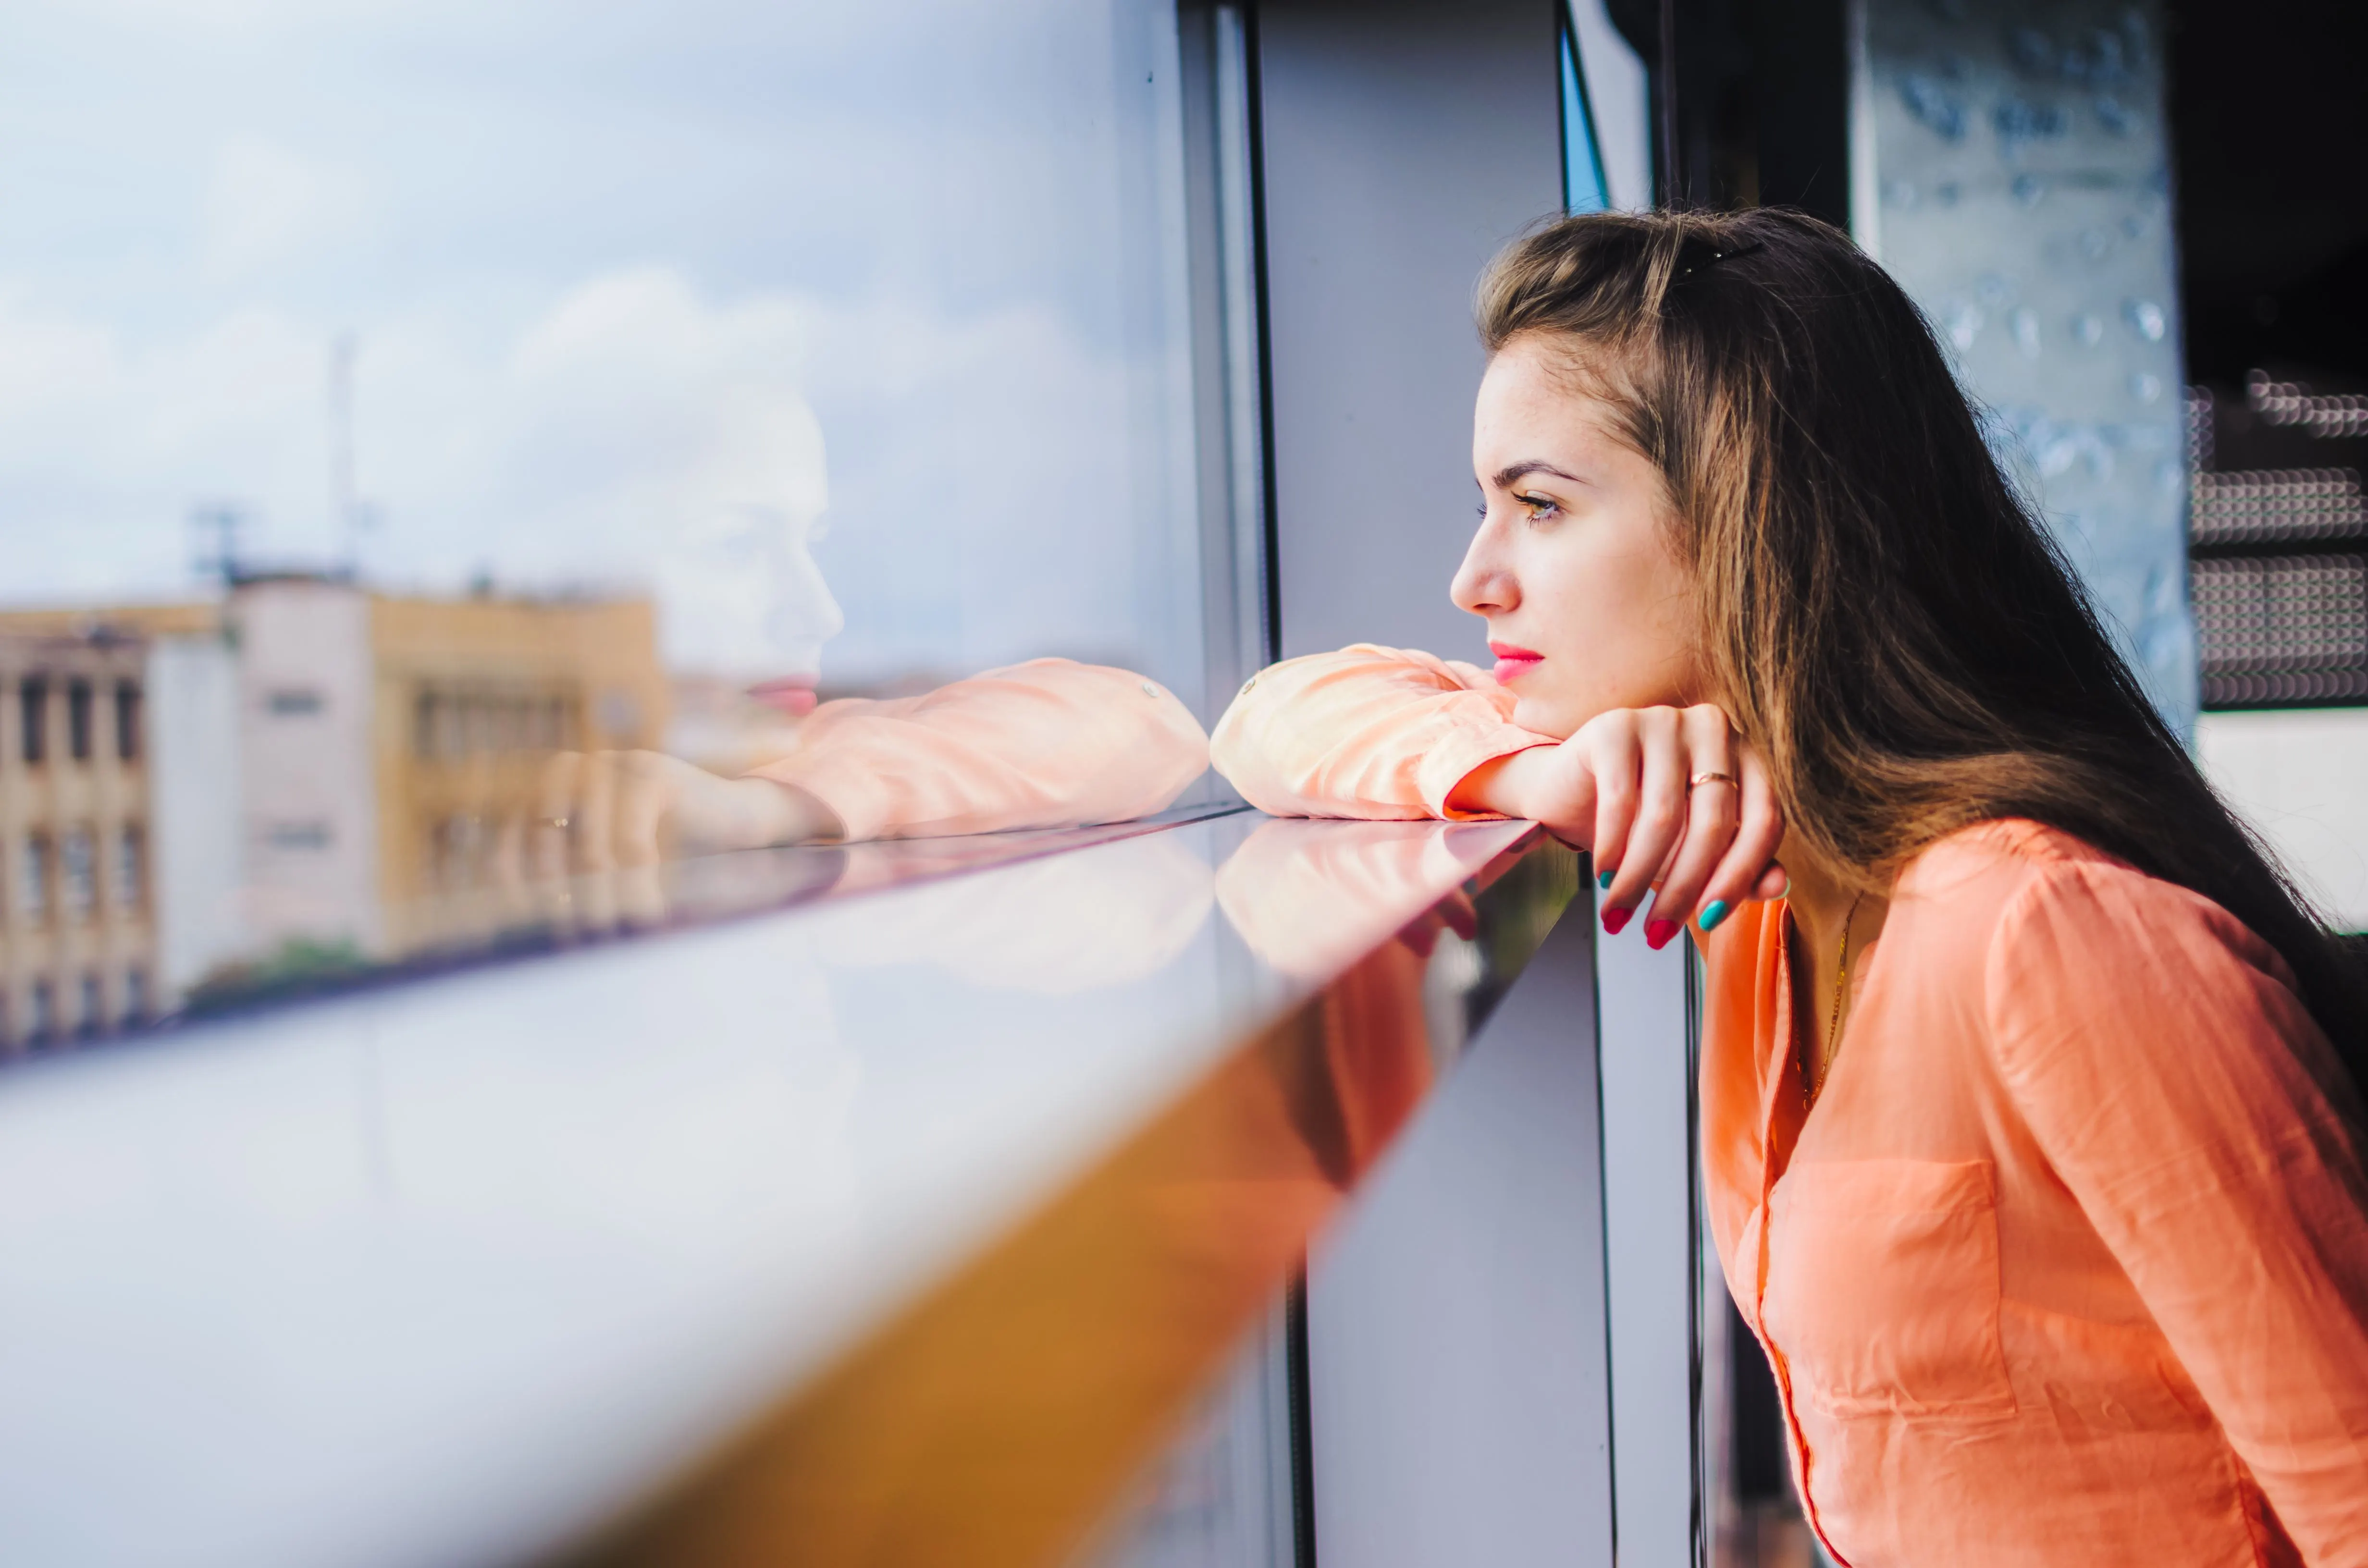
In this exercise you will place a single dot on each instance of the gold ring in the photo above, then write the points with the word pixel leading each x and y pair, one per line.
pixel 1711 778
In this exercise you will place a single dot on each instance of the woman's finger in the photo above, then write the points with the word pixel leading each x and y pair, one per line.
pixel 1713 804
pixel 1606 750
pixel 1659 818
pixel 1615 762
pixel 644 799
pixel 554 815
pixel 594 832
pixel 1742 871
pixel 641 894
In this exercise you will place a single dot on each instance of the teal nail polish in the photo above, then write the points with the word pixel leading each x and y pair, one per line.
pixel 1604 881
pixel 1713 913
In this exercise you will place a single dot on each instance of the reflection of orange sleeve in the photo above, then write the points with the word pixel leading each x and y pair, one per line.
pixel 1308 898
pixel 1047 744
pixel 1368 731
pixel 1377 1043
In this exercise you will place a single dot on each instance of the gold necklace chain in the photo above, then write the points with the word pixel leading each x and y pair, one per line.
pixel 1842 989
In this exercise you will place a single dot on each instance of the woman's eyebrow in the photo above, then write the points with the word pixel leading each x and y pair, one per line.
pixel 1503 478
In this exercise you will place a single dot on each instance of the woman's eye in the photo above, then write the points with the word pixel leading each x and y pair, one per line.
pixel 1540 507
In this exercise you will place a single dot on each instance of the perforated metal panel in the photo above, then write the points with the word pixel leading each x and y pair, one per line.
pixel 2284 629
pixel 2279 568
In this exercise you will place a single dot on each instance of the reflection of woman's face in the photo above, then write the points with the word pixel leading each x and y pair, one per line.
pixel 1588 607
pixel 804 615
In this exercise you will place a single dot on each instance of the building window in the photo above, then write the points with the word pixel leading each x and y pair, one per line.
pixel 77 872
pixel 78 719
pixel 448 725
pixel 93 1005
pixel 620 716
pixel 422 724
pixel 297 836
pixel 126 719
pixel 43 1025
pixel 33 710
pixel 33 878
pixel 131 868
pixel 293 702
pixel 136 996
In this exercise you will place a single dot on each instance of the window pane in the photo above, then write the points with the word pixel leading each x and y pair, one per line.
pixel 392 398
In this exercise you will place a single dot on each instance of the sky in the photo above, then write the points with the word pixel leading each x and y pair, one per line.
pixel 647 296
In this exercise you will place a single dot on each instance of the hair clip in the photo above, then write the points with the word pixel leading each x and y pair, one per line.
pixel 1697 254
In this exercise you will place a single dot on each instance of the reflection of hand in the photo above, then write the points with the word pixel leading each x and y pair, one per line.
pixel 1311 897
pixel 1056 925
pixel 607 810
pixel 1621 788
pixel 1454 912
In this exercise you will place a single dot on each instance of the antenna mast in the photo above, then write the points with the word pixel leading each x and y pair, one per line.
pixel 347 513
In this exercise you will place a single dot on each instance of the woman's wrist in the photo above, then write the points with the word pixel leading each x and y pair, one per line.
pixel 783 814
pixel 1501 784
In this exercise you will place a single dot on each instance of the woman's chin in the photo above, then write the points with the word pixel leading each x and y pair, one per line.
pixel 1544 716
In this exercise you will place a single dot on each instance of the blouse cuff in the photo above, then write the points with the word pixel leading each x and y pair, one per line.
pixel 1457 757
pixel 854 794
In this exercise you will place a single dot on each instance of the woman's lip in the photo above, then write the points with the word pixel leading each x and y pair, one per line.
pixel 793 695
pixel 1510 666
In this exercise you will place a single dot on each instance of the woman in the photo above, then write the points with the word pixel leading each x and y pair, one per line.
pixel 2030 1090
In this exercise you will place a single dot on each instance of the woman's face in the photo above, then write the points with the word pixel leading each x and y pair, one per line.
pixel 1588 607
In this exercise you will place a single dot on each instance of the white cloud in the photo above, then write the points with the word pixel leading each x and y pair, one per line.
pixel 639 289
pixel 988 504
pixel 267 206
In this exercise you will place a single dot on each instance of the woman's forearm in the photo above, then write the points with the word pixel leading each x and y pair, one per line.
pixel 1366 731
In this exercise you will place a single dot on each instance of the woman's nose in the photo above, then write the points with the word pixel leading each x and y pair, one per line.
pixel 1483 584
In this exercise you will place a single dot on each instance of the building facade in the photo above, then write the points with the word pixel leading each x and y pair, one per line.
pixel 78 951
pixel 306 772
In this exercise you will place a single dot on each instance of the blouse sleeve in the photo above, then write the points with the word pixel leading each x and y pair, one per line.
pixel 2192 1105
pixel 1368 731
pixel 1047 744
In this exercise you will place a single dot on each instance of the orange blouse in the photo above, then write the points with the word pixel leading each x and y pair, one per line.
pixel 1048 743
pixel 2070 1266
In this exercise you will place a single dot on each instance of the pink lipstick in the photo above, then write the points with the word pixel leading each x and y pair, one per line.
pixel 1513 663
pixel 793 695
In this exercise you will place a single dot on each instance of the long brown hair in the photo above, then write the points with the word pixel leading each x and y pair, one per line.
pixel 1883 615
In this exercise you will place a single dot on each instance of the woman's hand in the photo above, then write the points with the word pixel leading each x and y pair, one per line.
pixel 1621 788
pixel 607 810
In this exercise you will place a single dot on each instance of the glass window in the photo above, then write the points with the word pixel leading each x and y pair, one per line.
pixel 33 713
pixel 130 867
pixel 127 721
pixel 77 872
pixel 33 878
pixel 394 397
pixel 78 719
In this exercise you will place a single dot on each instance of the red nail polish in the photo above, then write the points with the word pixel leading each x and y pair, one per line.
pixel 1659 932
pixel 1614 919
